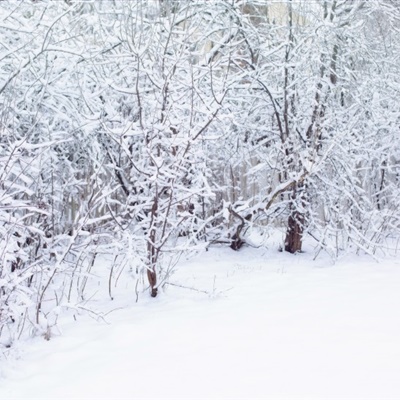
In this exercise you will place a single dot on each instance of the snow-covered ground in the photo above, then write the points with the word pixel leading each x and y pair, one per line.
pixel 276 326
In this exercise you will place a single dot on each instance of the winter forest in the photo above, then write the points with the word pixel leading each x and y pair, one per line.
pixel 149 130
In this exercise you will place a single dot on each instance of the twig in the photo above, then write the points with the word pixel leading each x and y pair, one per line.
pixel 187 287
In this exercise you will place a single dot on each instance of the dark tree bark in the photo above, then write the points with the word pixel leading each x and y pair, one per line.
pixel 294 233
pixel 296 220
pixel 152 277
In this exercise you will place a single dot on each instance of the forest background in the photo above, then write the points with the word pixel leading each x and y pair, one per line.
pixel 148 130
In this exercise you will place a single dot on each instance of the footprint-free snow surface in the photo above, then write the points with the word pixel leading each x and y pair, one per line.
pixel 272 326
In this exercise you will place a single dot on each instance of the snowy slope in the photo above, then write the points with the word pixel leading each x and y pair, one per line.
pixel 276 326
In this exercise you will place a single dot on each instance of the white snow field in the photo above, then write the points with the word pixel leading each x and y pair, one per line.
pixel 276 326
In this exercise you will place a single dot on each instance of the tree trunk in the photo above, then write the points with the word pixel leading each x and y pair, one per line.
pixel 294 233
pixel 152 277
pixel 295 228
pixel 152 251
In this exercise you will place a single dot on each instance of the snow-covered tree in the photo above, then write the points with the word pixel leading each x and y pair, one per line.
pixel 46 161
pixel 312 76
pixel 157 90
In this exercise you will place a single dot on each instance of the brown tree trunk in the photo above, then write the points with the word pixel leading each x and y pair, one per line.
pixel 294 233
pixel 295 228
pixel 152 277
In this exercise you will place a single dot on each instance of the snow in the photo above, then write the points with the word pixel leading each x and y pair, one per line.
pixel 273 326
